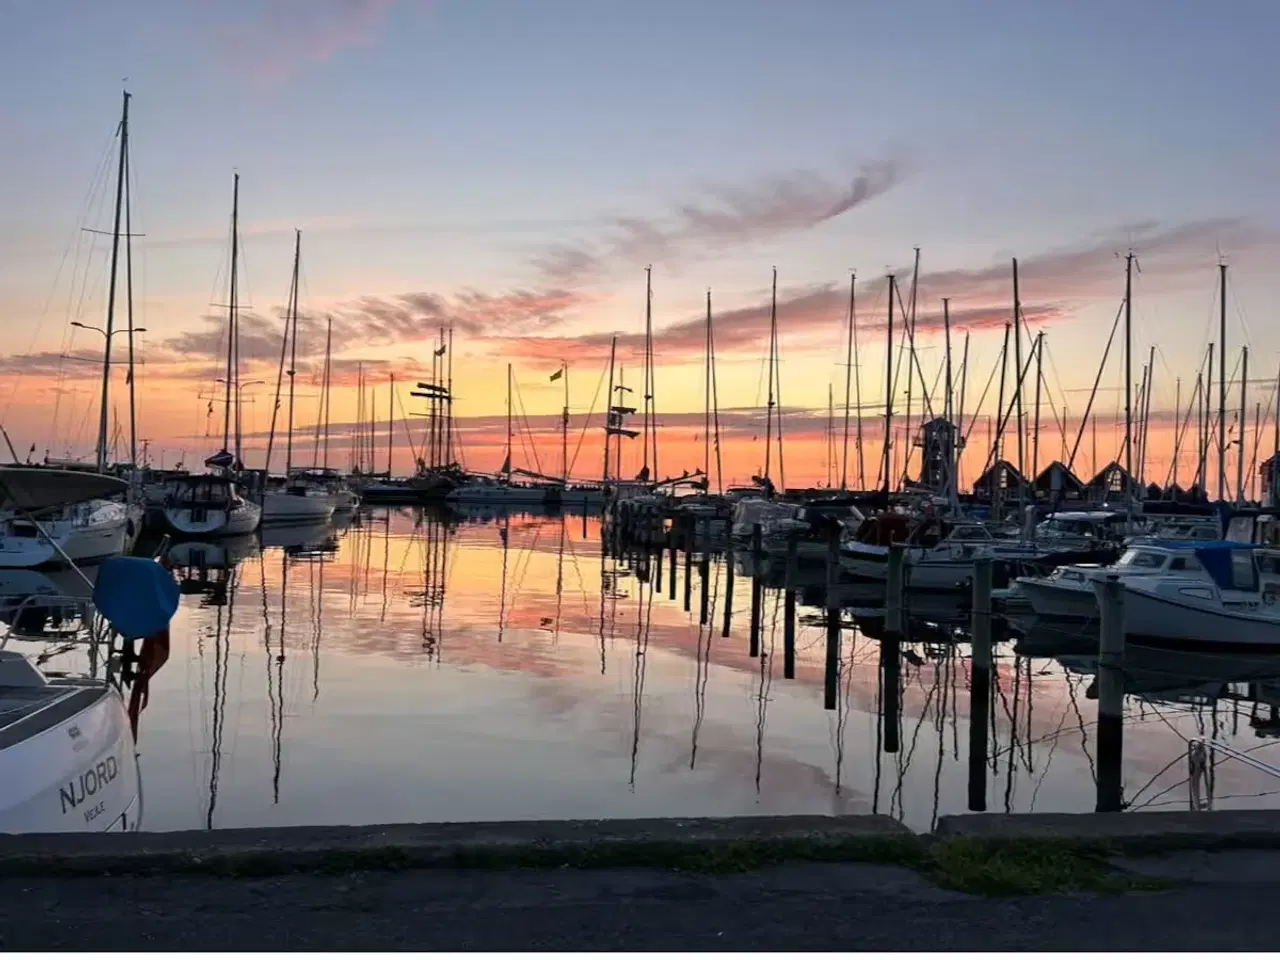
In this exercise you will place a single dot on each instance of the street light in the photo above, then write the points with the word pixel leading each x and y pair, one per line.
pixel 250 383
pixel 86 326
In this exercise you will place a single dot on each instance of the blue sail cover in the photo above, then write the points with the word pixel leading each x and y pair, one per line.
pixel 1216 556
pixel 136 595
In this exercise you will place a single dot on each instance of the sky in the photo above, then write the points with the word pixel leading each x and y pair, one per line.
pixel 510 169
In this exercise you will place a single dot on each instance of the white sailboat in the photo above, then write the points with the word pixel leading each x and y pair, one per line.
pixel 67 753
pixel 212 504
pixel 502 489
pixel 91 529
pixel 294 500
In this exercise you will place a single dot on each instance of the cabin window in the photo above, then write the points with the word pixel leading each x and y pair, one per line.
pixel 1145 559
pixel 1185 563
pixel 1244 575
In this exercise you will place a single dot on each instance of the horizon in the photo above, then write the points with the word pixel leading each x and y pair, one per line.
pixel 512 185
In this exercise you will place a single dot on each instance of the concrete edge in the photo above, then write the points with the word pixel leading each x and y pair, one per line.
pixel 707 845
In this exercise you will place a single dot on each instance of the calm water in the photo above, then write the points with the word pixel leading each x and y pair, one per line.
pixel 411 668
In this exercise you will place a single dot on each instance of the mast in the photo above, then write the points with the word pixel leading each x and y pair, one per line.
pixel 1035 429
pixel 649 425
pixel 608 417
pixel 328 348
pixel 449 400
pixel 564 425
pixel 231 312
pixel 957 450
pixel 1017 366
pixel 1128 380
pixel 848 384
pixel 946 401
pixel 1222 380
pixel 888 391
pixel 910 320
pixel 391 422
pixel 706 414
pixel 1244 414
pixel 831 432
pixel 507 468
pixel 773 339
pixel 104 412
pixel 1275 444
pixel 291 325
pixel 128 287
pixel 1177 415
pixel 1148 389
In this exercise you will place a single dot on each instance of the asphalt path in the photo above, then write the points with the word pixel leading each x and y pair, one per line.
pixel 1220 902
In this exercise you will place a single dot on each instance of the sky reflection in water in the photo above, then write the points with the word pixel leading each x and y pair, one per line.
pixel 410 669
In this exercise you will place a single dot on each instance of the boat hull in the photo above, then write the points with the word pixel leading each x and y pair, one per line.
pixel 214 521
pixel 79 775
pixel 1059 602
pixel 295 508
pixel 109 531
pixel 1152 617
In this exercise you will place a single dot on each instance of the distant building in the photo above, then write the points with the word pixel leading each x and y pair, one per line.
pixel 1002 477
pixel 1057 482
pixel 935 440
pixel 1112 481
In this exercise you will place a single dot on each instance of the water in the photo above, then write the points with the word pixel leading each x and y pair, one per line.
pixel 410 667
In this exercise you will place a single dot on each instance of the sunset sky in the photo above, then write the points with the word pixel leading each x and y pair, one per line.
pixel 510 168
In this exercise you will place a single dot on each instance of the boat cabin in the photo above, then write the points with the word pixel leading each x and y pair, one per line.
pixel 1229 565
pixel 218 493
pixel 1082 525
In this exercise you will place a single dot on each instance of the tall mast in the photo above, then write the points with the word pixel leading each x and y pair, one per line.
pixel 910 320
pixel 1275 445
pixel 1148 389
pixel 509 434
pixel 104 413
pixel 1179 423
pixel 888 392
pixel 1035 429
pixel 328 348
pixel 848 384
pixel 946 401
pixel 564 424
pixel 128 287
pixel 293 349
pixel 391 422
pixel 1244 414
pixel 649 425
pixel 448 409
pixel 231 313
pixel 608 417
pixel 1017 366
pixel 1222 380
pixel 773 337
pixel 959 434
pixel 706 414
pixel 1128 379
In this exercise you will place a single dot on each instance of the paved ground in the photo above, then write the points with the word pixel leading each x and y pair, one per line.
pixel 1230 905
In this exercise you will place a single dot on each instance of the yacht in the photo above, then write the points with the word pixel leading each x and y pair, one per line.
pixel 295 501
pixel 488 490
pixel 74 532
pixel 209 506
pixel 1068 594
pixel 1229 607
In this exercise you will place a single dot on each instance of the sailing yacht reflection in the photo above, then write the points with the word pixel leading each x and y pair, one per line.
pixel 205 567
pixel 436 530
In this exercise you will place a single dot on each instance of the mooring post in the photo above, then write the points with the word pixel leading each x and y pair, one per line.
pixel 688 566
pixel 704 568
pixel 673 548
pixel 979 683
pixel 891 649
pixel 1110 594
pixel 789 611
pixel 757 589
pixel 831 675
pixel 728 589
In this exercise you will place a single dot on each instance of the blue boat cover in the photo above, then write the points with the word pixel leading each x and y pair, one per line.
pixel 136 595
pixel 1216 555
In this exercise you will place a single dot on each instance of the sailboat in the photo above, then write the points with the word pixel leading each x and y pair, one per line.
pixel 296 500
pixel 502 488
pixel 97 528
pixel 212 504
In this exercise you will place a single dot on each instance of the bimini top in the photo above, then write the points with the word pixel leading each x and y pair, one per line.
pixel 39 488
pixel 1220 560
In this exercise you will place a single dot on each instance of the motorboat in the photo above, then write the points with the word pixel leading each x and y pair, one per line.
pixel 937 554
pixel 209 505
pixel 67 750
pixel 1228 607
pixel 296 502
pixel 329 485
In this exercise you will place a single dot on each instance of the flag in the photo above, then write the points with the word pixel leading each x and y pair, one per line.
pixel 557 375
pixel 440 350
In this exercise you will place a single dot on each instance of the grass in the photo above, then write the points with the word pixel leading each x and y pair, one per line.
pixel 984 868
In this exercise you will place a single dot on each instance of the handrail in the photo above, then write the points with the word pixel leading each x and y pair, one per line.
pixel 1199 752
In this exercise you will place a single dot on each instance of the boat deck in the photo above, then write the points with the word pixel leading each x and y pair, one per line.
pixel 26 711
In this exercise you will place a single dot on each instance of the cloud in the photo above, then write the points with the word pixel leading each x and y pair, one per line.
pixel 981 298
pixel 287 36
pixel 725 217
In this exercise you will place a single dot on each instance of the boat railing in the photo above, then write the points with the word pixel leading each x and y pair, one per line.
pixel 79 610
pixel 1200 753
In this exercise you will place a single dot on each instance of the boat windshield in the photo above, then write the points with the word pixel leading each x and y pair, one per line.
pixel 1142 559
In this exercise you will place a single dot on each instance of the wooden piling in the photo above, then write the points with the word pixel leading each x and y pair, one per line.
pixel 979 683
pixel 891 650
pixel 789 611
pixel 688 567
pixel 704 569
pixel 831 675
pixel 728 589
pixel 757 589
pixel 1110 594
